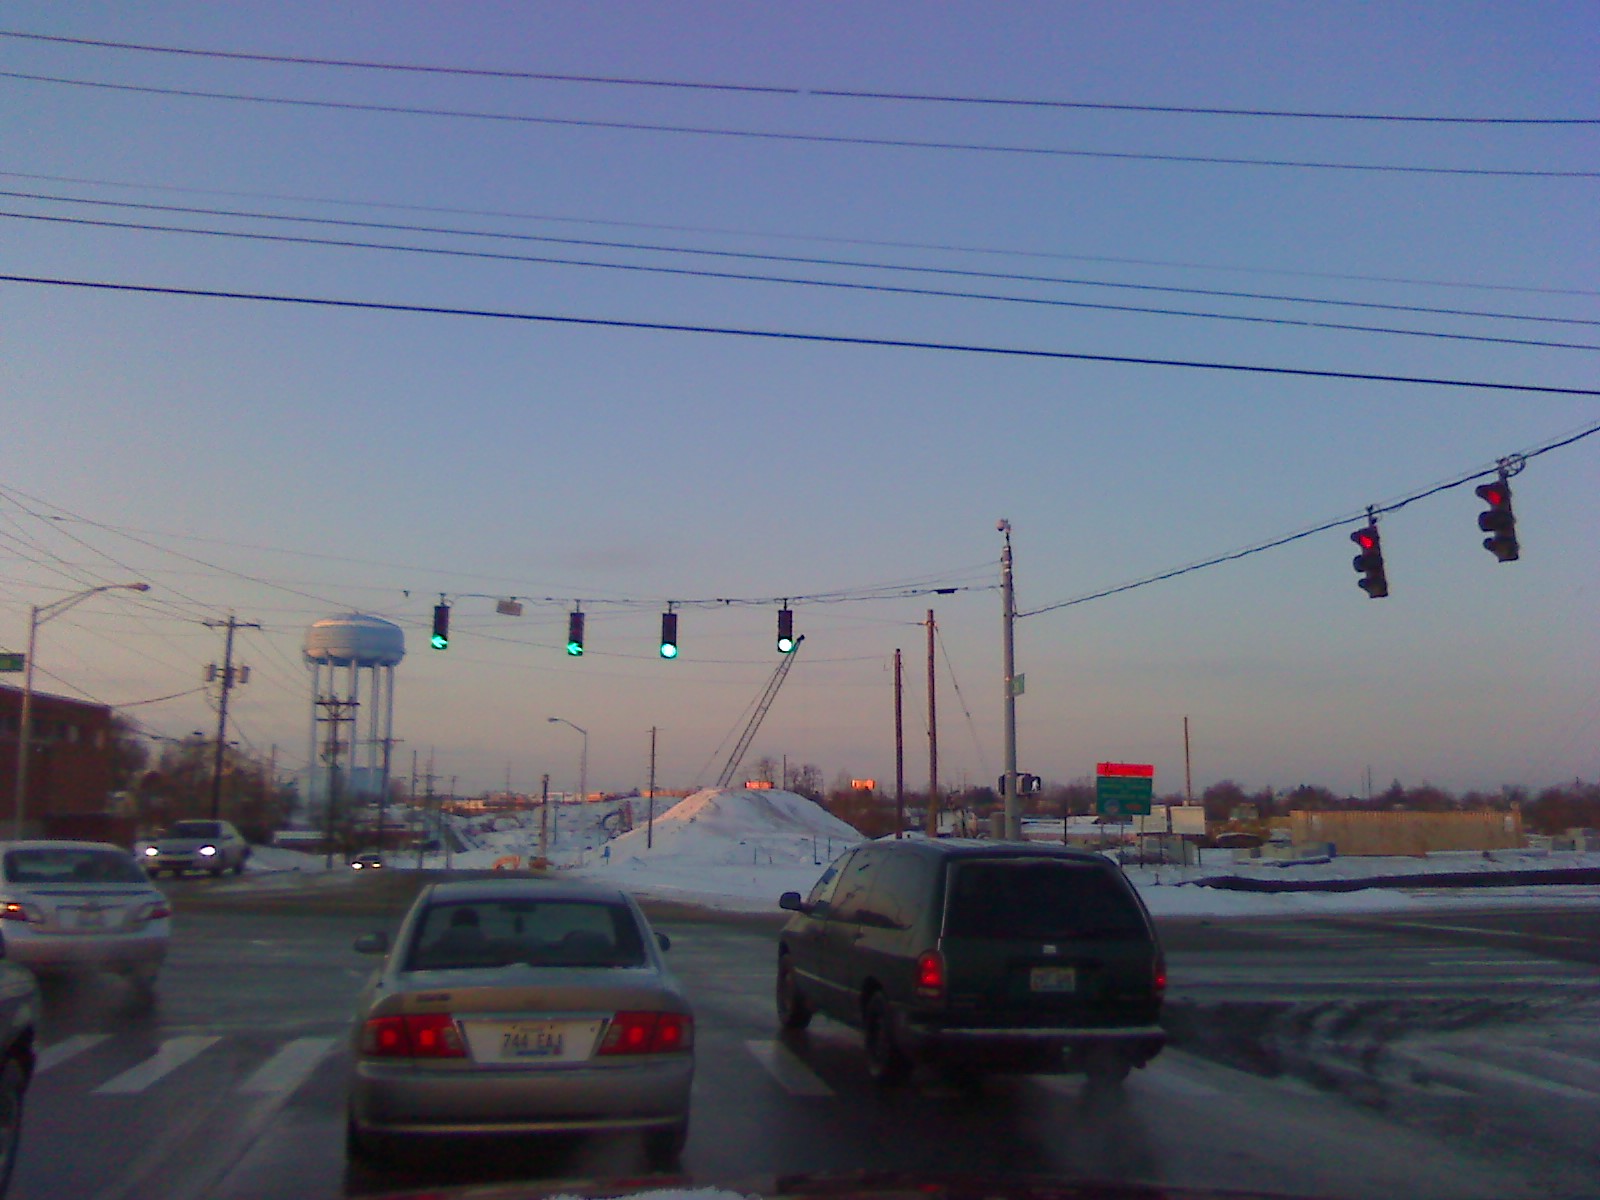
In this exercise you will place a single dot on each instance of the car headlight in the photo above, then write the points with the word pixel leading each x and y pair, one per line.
pixel 355 866
pixel 151 851
pixel 208 851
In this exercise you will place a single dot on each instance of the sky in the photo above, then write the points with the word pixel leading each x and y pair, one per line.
pixel 619 440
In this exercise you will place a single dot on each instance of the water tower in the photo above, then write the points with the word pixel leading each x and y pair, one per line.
pixel 352 660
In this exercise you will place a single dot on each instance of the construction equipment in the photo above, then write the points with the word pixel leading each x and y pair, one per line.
pixel 762 705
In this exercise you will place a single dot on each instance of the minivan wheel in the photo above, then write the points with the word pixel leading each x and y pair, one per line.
pixel 793 1010
pixel 886 1062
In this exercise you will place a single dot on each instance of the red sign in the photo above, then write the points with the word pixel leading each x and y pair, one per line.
pixel 864 785
pixel 1137 770
pixel 758 784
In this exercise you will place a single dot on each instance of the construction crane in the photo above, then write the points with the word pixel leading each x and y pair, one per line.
pixel 762 705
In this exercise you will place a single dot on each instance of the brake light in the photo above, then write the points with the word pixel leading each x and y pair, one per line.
pixel 648 1033
pixel 12 911
pixel 415 1035
pixel 159 911
pixel 1160 979
pixel 930 974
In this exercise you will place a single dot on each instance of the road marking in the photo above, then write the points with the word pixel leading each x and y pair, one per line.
pixel 54 1056
pixel 173 1054
pixel 792 1074
pixel 1475 1066
pixel 289 1067
pixel 1479 931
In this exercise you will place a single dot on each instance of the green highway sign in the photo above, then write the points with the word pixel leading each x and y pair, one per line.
pixel 11 662
pixel 1123 795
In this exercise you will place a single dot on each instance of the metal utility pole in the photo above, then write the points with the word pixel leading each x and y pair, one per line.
pixel 933 737
pixel 228 682
pixel 1009 602
pixel 38 614
pixel 899 750
pixel 650 811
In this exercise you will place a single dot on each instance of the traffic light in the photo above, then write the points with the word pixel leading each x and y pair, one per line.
pixel 669 635
pixel 1370 562
pixel 575 634
pixel 441 627
pixel 1499 522
pixel 786 641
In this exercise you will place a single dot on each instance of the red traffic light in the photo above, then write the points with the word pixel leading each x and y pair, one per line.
pixel 1369 562
pixel 1499 522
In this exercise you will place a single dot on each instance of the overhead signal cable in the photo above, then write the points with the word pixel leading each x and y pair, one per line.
pixel 825 139
pixel 796 336
pixel 839 285
pixel 799 92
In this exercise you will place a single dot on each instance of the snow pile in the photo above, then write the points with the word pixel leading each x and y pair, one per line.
pixel 733 848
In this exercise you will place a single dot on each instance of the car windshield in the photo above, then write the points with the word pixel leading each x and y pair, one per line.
pixel 544 933
pixel 71 865
pixel 1039 899
pixel 195 829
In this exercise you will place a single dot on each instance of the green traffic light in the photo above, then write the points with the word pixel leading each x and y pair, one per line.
pixel 575 649
pixel 668 650
pixel 439 642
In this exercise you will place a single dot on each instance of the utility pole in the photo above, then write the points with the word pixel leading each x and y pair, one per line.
pixel 933 738
pixel 222 708
pixel 650 811
pixel 899 750
pixel 544 817
pixel 1188 775
pixel 338 712
pixel 1009 617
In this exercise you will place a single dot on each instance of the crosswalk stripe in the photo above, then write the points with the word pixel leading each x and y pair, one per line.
pixel 1462 1064
pixel 289 1067
pixel 792 1074
pixel 70 1047
pixel 173 1054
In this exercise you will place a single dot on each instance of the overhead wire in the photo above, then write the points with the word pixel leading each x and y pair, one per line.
pixel 801 92
pixel 772 135
pixel 832 284
pixel 795 336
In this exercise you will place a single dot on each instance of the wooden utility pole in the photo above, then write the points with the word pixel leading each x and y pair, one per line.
pixel 899 750
pixel 933 738
pixel 228 681
pixel 650 817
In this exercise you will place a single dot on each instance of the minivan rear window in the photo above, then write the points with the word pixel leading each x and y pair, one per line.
pixel 1039 899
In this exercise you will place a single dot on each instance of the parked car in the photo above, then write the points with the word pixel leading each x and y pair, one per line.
pixel 520 1006
pixel 214 846
pixel 82 906
pixel 977 956
pixel 19 1016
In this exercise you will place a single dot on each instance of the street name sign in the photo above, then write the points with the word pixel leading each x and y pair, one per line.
pixel 11 662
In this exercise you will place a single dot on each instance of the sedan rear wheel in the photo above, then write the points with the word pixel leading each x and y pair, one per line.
pixel 12 1084
pixel 886 1062
pixel 664 1147
pixel 793 1010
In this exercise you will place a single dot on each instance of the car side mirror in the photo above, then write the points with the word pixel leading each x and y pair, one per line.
pixel 372 943
pixel 663 941
pixel 791 902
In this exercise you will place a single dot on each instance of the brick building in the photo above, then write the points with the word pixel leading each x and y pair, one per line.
pixel 69 763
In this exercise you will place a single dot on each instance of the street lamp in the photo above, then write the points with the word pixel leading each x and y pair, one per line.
pixel 583 760
pixel 37 616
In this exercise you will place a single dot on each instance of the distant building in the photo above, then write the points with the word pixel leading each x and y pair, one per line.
pixel 69 761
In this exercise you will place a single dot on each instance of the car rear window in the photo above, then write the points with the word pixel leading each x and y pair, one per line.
pixel 71 865
pixel 541 933
pixel 195 829
pixel 1039 899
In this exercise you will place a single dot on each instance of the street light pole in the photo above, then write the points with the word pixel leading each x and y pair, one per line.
pixel 583 759
pixel 38 614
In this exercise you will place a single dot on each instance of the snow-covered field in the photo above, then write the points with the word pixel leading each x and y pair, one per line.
pixel 739 849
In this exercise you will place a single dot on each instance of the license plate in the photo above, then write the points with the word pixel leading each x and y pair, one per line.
pixel 532 1042
pixel 91 918
pixel 1053 979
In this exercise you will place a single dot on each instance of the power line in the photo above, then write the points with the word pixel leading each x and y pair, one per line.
pixel 798 92
pixel 793 336
pixel 838 285
pixel 782 235
pixel 771 135
pixel 1336 523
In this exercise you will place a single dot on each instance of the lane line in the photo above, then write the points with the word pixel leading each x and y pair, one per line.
pixel 289 1067
pixel 792 1075
pixel 66 1048
pixel 173 1054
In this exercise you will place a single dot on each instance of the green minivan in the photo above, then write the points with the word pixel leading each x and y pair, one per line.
pixel 977 957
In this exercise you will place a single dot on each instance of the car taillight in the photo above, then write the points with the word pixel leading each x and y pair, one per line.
pixel 159 911
pixel 416 1035
pixel 1160 979
pixel 648 1033
pixel 930 974
pixel 12 911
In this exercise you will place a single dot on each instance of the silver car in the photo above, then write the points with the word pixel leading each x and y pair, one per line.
pixel 521 1006
pixel 212 846
pixel 78 906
